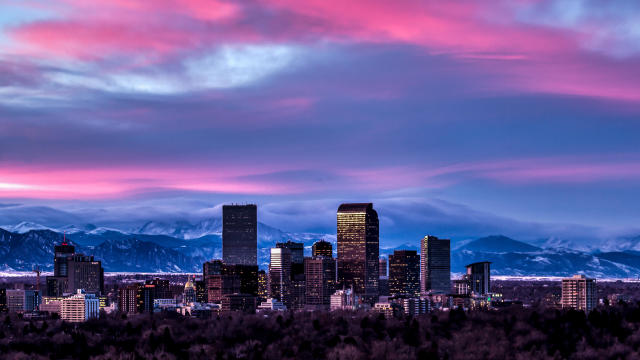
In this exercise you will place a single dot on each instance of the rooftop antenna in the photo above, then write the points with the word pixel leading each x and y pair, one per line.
pixel 64 237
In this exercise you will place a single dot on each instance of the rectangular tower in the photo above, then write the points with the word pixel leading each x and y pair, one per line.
pixel 478 276
pixel 435 261
pixel 404 273
pixel 320 274
pixel 280 276
pixel 579 292
pixel 240 234
pixel 358 249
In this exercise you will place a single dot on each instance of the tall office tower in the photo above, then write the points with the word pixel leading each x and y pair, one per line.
pixel 280 275
pixel 383 266
pixel 213 267
pixel 263 289
pixel 478 276
pixel 57 284
pixel 79 307
pixel 322 248
pixel 320 275
pixel 240 234
pixel 297 273
pixel 61 253
pixel 404 273
pixel 435 261
pixel 358 249
pixel 162 288
pixel 145 298
pixel 128 299
pixel 579 292
pixel 85 274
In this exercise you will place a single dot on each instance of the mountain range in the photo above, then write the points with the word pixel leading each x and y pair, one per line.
pixel 183 247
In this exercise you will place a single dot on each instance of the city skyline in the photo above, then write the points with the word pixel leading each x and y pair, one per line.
pixel 166 110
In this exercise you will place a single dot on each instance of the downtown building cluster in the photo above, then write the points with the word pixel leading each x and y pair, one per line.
pixel 408 281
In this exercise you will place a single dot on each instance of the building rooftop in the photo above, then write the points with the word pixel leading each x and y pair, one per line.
pixel 355 207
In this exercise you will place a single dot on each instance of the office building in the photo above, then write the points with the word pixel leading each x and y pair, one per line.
pixel 73 272
pixel 128 299
pixel 383 286
pixel 461 287
pixel 320 276
pixel 162 289
pixel 79 307
pixel 415 306
pixel 22 301
pixel 579 292
pixel 280 275
pixel 263 286
pixel 238 302
pixel 478 276
pixel 245 275
pixel 343 300
pixel 272 304
pixel 297 274
pixel 322 248
pixel 382 265
pixel 51 305
pixel 435 261
pixel 201 292
pixel 358 249
pixel 404 273
pixel 240 234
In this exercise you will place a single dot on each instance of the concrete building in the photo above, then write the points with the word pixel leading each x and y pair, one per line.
pixel 272 304
pixel 79 307
pixel 579 292
pixel 22 301
pixel 320 274
pixel 343 300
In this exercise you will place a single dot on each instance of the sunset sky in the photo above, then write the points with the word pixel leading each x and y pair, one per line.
pixel 521 117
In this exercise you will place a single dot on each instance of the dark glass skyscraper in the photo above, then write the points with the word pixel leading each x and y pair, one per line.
pixel 320 276
pixel 322 248
pixel 404 273
pixel 240 234
pixel 478 276
pixel 358 249
pixel 435 259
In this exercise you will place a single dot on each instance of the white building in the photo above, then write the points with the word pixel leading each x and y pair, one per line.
pixel 343 300
pixel 79 307
pixel 272 304
pixel 383 308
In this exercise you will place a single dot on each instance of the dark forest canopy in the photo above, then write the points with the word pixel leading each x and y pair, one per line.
pixel 513 333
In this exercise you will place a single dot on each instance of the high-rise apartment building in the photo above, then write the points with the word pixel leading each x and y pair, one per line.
pixel 322 248
pixel 280 275
pixel 435 261
pixel 320 275
pixel 79 307
pixel 128 298
pixel 240 234
pixel 478 276
pixel 358 249
pixel 404 273
pixel 579 292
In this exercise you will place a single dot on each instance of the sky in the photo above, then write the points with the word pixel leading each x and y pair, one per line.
pixel 460 118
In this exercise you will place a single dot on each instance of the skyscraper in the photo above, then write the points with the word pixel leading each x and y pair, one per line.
pixel 358 249
pixel 73 272
pixel 320 276
pixel 579 292
pixel 435 261
pixel 297 274
pixel 322 248
pixel 478 276
pixel 404 273
pixel 240 234
pixel 383 266
pixel 280 275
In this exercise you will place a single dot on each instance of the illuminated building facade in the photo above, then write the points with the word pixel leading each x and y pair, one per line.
pixel 240 234
pixel 404 273
pixel 435 261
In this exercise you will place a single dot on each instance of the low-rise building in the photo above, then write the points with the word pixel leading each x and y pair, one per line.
pixel 79 307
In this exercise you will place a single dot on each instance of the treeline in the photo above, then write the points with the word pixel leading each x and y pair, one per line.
pixel 606 333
